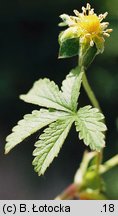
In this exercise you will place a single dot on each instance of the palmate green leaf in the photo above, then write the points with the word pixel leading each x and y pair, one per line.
pixel 46 93
pixel 88 124
pixel 49 144
pixel 71 88
pixel 30 124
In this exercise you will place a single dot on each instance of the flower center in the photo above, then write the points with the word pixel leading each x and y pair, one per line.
pixel 90 24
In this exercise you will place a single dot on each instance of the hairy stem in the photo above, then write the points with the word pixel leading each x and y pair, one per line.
pixel 95 103
pixel 69 193
pixel 90 92
pixel 109 164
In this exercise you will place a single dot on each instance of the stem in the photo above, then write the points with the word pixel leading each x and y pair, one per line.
pixel 109 164
pixel 85 82
pixel 90 92
pixel 95 103
pixel 69 193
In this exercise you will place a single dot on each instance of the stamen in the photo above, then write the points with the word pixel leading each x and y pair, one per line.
pixel 88 7
pixel 104 25
pixel 105 14
pixel 91 12
pixel 109 30
pixel 102 16
pixel 76 12
pixel 106 34
pixel 91 43
pixel 74 19
pixel 84 10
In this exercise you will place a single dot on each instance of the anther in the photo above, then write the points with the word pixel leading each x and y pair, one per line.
pixel 88 6
pixel 76 12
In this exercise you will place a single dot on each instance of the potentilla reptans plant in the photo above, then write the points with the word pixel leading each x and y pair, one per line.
pixel 84 37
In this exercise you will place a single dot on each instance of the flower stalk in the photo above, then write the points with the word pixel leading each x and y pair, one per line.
pixel 95 103
pixel 89 92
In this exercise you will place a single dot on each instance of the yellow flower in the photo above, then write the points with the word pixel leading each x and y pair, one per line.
pixel 87 26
